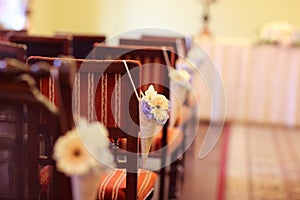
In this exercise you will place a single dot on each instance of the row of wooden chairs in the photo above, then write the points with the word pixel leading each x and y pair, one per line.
pixel 79 45
pixel 28 121
pixel 62 44
pixel 82 45
pixel 145 55
pixel 136 183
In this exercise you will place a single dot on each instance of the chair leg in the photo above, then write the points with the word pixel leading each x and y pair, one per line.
pixel 163 164
pixel 180 173
pixel 177 168
pixel 162 183
pixel 173 180
pixel 19 153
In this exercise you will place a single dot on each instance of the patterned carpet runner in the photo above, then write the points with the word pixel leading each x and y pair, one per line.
pixel 260 163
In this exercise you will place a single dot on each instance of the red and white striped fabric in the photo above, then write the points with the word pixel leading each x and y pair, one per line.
pixel 112 186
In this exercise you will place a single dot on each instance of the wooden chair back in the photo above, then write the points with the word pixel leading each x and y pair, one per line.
pixel 22 105
pixel 12 50
pixel 82 44
pixel 117 107
pixel 103 92
pixel 180 41
pixel 43 45
pixel 153 60
pixel 151 42
pixel 60 89
pixel 154 71
pixel 4 34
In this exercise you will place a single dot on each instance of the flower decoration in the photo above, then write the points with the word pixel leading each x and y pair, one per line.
pixel 155 106
pixel 180 83
pixel 146 108
pixel 195 56
pixel 280 33
pixel 154 114
pixel 81 149
pixel 185 65
pixel 181 77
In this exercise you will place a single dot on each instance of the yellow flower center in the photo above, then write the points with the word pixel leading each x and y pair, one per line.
pixel 77 152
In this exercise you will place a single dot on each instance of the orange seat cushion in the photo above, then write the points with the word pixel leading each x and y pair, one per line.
pixel 113 184
pixel 174 139
pixel 45 181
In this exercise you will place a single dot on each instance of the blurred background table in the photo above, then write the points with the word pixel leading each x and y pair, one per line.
pixel 261 82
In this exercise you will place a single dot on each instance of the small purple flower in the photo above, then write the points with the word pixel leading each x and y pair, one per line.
pixel 146 108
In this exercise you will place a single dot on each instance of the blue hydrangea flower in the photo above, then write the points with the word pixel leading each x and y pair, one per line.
pixel 146 108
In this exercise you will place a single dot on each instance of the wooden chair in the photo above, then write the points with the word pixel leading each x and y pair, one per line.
pixel 57 88
pixel 94 98
pixel 12 50
pixel 181 48
pixel 152 42
pixel 22 106
pixel 62 90
pixel 5 33
pixel 42 45
pixel 180 41
pixel 153 72
pixel 151 57
pixel 82 44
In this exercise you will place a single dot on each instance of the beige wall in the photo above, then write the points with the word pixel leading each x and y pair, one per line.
pixel 230 18
pixel 236 18
pixel 50 16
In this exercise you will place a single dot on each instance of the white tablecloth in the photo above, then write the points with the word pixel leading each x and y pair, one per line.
pixel 262 83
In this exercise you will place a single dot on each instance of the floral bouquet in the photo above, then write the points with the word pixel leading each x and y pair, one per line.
pixel 180 84
pixel 78 154
pixel 280 33
pixel 191 64
pixel 154 114
pixel 195 56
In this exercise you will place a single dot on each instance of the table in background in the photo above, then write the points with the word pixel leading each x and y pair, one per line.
pixel 262 83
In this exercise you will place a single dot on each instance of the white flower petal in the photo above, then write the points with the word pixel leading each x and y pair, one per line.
pixel 76 151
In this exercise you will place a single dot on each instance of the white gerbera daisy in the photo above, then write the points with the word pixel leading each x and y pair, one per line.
pixel 83 149
pixel 71 156
pixel 180 76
